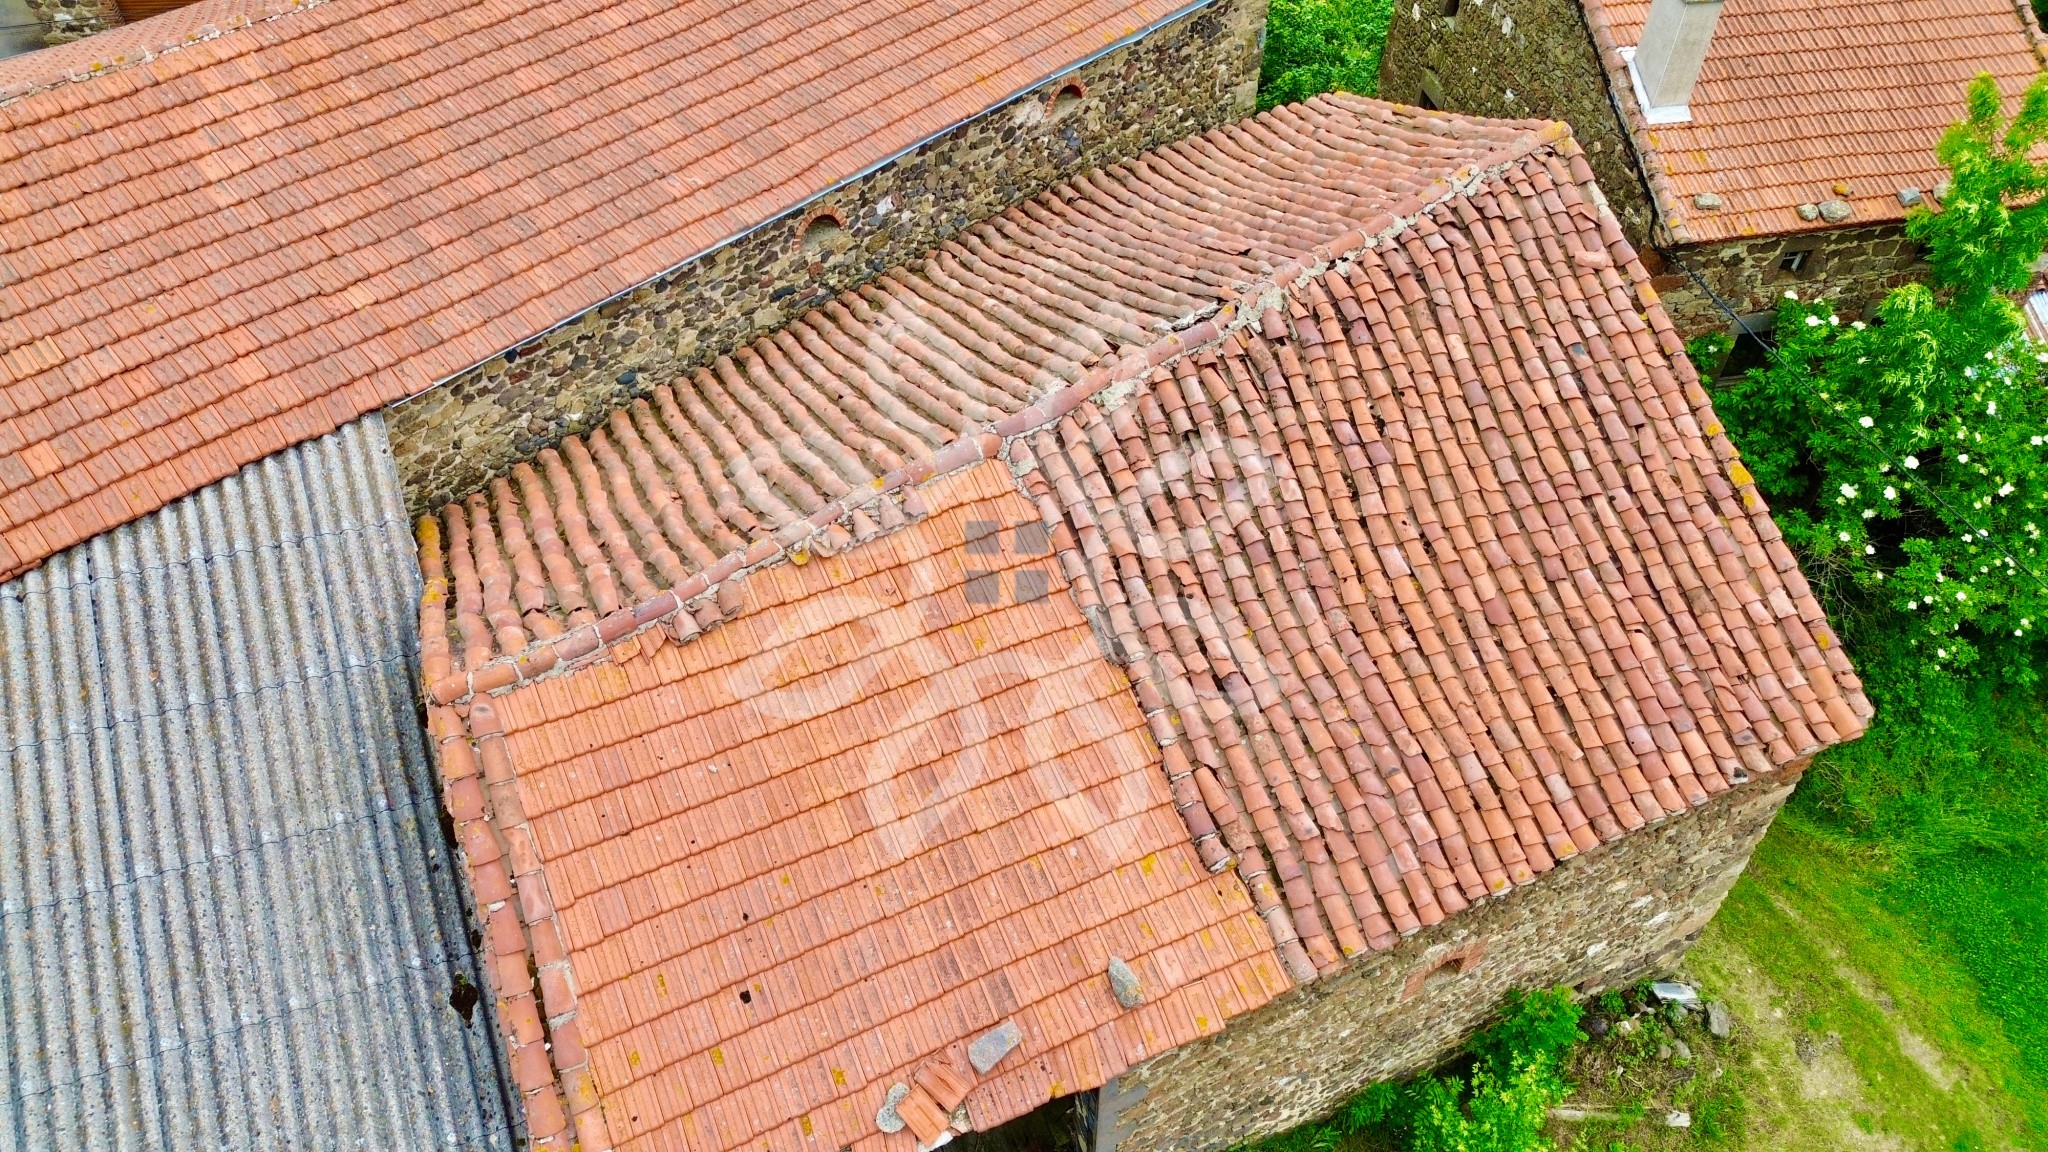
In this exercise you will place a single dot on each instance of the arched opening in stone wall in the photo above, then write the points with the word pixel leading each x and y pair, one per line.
pixel 823 233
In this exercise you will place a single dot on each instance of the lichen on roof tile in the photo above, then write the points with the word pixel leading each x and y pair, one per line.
pixel 1416 565
pixel 315 210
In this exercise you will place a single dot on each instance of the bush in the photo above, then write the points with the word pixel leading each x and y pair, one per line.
pixel 1315 46
pixel 1514 1082
pixel 1908 459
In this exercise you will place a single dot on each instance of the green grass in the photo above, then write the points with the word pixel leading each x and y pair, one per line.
pixel 1866 1019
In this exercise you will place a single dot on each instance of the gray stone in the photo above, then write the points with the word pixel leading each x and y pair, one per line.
pixel 888 1119
pixel 991 1046
pixel 1124 983
pixel 1663 1051
pixel 1678 1119
pixel 1909 196
pixel 1708 202
pixel 1835 211
pixel 1572 926
pixel 1809 211
pixel 1672 992
pixel 1681 1050
pixel 1719 1021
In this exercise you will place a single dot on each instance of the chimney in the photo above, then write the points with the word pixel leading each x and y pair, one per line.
pixel 1675 41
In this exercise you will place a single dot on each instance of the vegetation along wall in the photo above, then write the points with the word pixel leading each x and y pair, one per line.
pixel 1601 920
pixel 1851 268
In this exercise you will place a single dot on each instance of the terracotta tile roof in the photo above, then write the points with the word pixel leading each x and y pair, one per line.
pixel 1010 311
pixel 1798 96
pixel 1424 554
pixel 136 41
pixel 240 244
pixel 891 806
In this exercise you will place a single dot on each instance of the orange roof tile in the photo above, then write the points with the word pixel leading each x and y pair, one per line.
pixel 1796 97
pixel 245 242
pixel 897 801
pixel 1003 315
pixel 1424 554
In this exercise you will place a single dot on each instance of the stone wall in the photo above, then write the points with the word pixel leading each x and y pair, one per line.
pixel 1187 76
pixel 68 20
pixel 1853 267
pixel 1516 59
pixel 1606 918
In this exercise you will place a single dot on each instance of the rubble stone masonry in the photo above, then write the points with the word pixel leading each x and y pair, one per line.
pixel 1187 76
pixel 1851 267
pixel 1516 59
pixel 66 20
pixel 1621 912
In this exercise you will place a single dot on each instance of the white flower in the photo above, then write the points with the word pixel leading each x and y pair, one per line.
pixel 2006 490
pixel 1867 422
pixel 1791 295
pixel 1912 461
pixel 1834 319
pixel 1912 604
pixel 1869 512
pixel 1813 321
pixel 1991 409
pixel 1870 549
pixel 1891 493
pixel 1959 594
pixel 1848 489
pixel 1963 459
pixel 1856 324
pixel 1941 652
pixel 1844 536
pixel 1971 372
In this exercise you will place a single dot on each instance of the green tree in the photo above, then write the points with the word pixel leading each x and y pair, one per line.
pixel 1315 46
pixel 1908 458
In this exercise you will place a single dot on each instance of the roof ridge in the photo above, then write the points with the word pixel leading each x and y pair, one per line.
pixel 110 61
pixel 446 684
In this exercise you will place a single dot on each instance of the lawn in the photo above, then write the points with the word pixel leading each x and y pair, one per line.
pixel 1861 1021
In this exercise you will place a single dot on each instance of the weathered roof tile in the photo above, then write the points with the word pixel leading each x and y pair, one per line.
pixel 1797 98
pixel 279 216
pixel 1416 568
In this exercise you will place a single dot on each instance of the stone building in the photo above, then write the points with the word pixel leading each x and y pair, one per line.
pixel 1239 612
pixel 1773 147
pixel 230 237
pixel 949 572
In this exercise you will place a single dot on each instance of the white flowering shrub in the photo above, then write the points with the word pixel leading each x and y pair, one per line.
pixel 1911 453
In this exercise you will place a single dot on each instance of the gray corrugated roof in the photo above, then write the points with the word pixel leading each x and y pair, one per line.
pixel 228 912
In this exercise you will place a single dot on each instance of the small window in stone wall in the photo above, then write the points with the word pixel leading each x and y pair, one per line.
pixel 1794 262
pixel 1451 9
pixel 1067 100
pixel 824 235
pixel 1432 94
